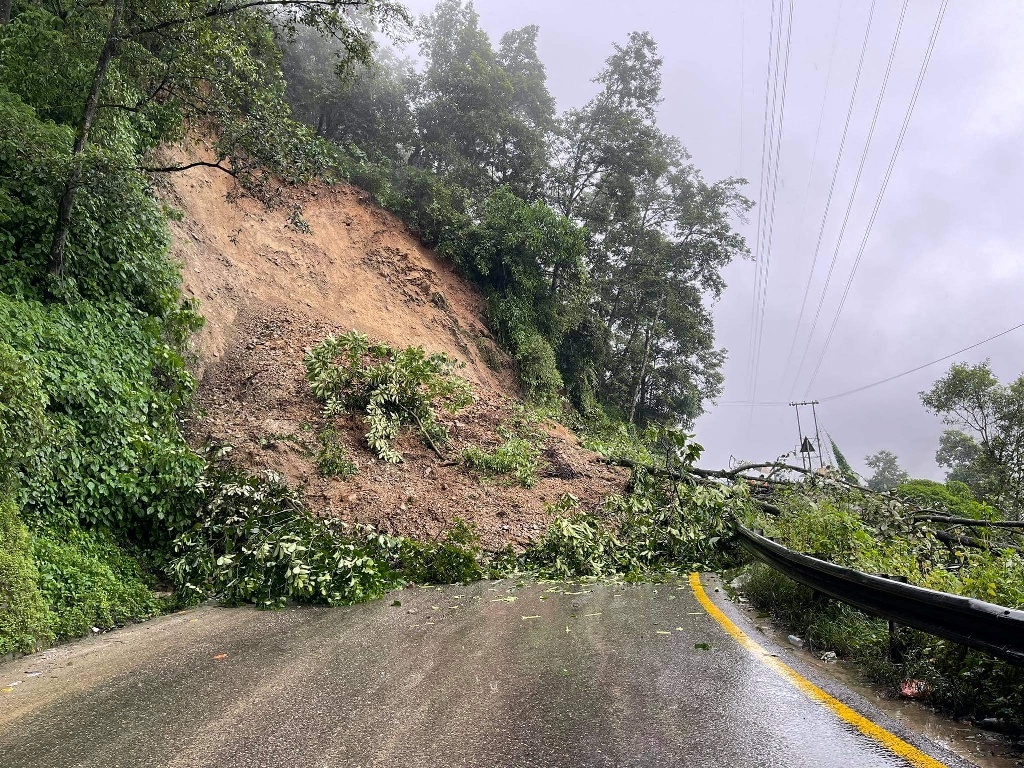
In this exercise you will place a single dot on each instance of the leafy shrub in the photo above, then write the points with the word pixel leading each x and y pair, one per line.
pixel 394 388
pixel 24 618
pixel 258 544
pixel 517 456
pixel 537 370
pixel 454 559
pixel 332 459
pixel 113 385
pixel 87 580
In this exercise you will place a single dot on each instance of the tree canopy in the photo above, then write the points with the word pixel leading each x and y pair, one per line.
pixel 598 241
pixel 985 448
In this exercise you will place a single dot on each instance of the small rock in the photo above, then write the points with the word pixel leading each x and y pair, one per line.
pixel 740 581
pixel 797 641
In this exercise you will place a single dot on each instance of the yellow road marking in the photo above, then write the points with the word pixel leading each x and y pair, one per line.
pixel 889 740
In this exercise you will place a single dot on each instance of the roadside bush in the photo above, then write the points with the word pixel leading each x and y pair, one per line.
pixel 257 543
pixel 24 618
pixel 455 559
pixel 87 581
pixel 394 388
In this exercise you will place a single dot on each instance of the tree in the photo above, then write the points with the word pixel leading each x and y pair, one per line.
pixel 209 62
pixel 843 465
pixel 364 105
pixel 986 450
pixel 482 114
pixel 660 236
pixel 887 474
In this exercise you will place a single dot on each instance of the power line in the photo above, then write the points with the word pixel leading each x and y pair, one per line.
pixel 917 368
pixel 774 198
pixel 885 183
pixel 743 66
pixel 886 380
pixel 853 191
pixel 761 208
pixel 832 185
pixel 821 114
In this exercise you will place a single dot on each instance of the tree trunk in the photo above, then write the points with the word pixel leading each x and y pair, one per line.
pixel 5 12
pixel 67 198
pixel 643 363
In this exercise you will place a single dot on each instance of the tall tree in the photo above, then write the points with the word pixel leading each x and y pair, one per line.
pixel 660 237
pixel 987 446
pixel 482 114
pixel 887 472
pixel 365 105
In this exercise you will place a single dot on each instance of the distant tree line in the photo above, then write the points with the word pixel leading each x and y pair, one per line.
pixel 596 240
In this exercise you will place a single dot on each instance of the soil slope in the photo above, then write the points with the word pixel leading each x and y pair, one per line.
pixel 269 290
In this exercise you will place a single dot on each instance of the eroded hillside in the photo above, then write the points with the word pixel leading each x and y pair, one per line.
pixel 271 283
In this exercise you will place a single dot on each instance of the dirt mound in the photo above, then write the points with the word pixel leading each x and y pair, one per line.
pixel 273 283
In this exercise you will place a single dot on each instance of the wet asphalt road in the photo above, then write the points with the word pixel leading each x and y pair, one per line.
pixel 487 675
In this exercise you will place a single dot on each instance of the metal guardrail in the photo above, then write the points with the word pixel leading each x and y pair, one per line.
pixel 985 626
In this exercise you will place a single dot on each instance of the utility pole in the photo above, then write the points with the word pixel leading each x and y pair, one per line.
pixel 809 463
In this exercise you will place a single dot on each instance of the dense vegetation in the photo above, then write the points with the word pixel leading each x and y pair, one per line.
pixel 878 534
pixel 96 481
pixel 596 240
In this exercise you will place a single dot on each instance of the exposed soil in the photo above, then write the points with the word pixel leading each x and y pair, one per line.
pixel 269 291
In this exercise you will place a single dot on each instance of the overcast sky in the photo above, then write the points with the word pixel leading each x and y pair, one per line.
pixel 943 267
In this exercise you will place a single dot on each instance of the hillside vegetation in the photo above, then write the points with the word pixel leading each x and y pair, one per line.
pixel 141 143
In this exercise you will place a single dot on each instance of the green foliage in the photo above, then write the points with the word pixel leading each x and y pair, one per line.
pixel 331 459
pixel 537 370
pixel 986 449
pixel 113 384
pixel 454 559
pixel 87 581
pixel 843 465
pixel 257 543
pixel 518 456
pixel 888 473
pixel 394 388
pixel 22 413
pixel 953 497
pixel 25 620
pixel 659 526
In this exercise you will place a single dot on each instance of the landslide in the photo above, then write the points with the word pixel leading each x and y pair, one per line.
pixel 273 282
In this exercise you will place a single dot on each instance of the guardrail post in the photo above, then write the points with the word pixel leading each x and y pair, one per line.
pixel 896 646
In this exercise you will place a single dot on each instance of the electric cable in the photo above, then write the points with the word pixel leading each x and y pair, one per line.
pixel 885 183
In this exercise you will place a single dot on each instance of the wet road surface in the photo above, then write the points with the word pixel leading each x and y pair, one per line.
pixel 493 674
